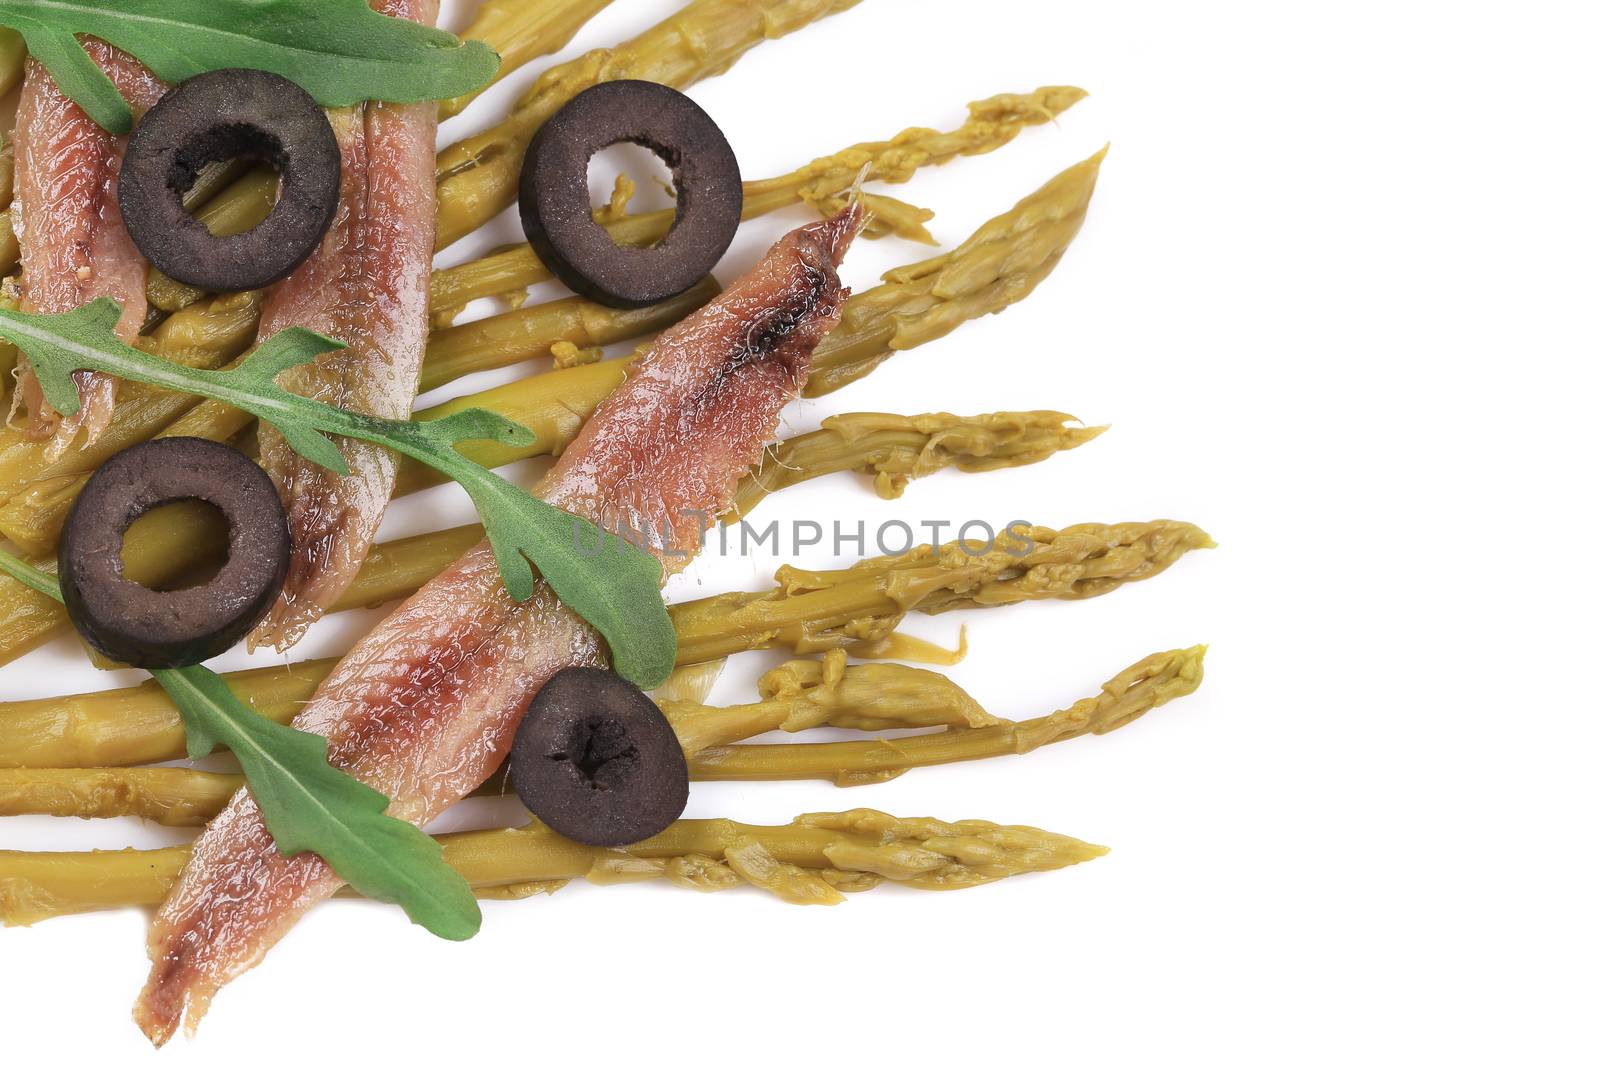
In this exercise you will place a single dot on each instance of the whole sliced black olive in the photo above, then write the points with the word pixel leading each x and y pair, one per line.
pixel 597 761
pixel 559 219
pixel 140 626
pixel 230 114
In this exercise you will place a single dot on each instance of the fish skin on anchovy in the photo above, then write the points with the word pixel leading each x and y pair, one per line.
pixel 75 247
pixel 366 285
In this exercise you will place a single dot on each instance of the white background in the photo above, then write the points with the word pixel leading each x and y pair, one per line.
pixel 1336 296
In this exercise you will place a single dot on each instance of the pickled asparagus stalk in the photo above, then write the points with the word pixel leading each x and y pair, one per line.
pixel 859 607
pixel 521 32
pixel 894 449
pixel 821 183
pixel 530 333
pixel 999 265
pixel 802 695
pixel 808 611
pixel 813 860
pixel 478 176
pixel 139 724
pixel 10 250
pixel 1143 687
pixel 13 58
pixel 171 796
pixel 9 353
pixel 990 124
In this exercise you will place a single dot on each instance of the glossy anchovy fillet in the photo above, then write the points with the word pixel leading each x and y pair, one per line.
pixel 366 285
pixel 75 248
pixel 425 707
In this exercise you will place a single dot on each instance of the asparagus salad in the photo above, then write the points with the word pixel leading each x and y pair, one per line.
pixel 220 296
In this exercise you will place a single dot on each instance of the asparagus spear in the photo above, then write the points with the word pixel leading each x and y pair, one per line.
pixel 1148 684
pixel 13 60
pixel 822 183
pixel 478 176
pixel 860 606
pixel 894 449
pixel 9 353
pixel 807 611
pixel 13 57
pixel 171 796
pixel 812 860
pixel 522 32
pixel 10 251
pixel 502 340
pixel 997 266
pixel 124 727
pixel 801 695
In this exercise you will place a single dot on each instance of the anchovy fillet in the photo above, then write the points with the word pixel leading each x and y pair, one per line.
pixel 75 248
pixel 366 285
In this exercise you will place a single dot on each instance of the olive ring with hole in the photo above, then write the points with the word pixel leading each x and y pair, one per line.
pixel 597 762
pixel 140 626
pixel 223 115
pixel 558 218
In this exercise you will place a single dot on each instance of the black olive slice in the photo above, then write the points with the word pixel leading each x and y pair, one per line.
pixel 559 219
pixel 230 114
pixel 145 628
pixel 597 761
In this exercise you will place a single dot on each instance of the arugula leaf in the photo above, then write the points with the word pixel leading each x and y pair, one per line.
pixel 340 51
pixel 613 584
pixel 308 805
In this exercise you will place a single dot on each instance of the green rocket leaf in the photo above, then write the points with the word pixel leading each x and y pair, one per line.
pixel 612 583
pixel 340 51
pixel 308 805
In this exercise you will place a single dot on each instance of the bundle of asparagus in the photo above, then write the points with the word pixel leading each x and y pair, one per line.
pixel 83 755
